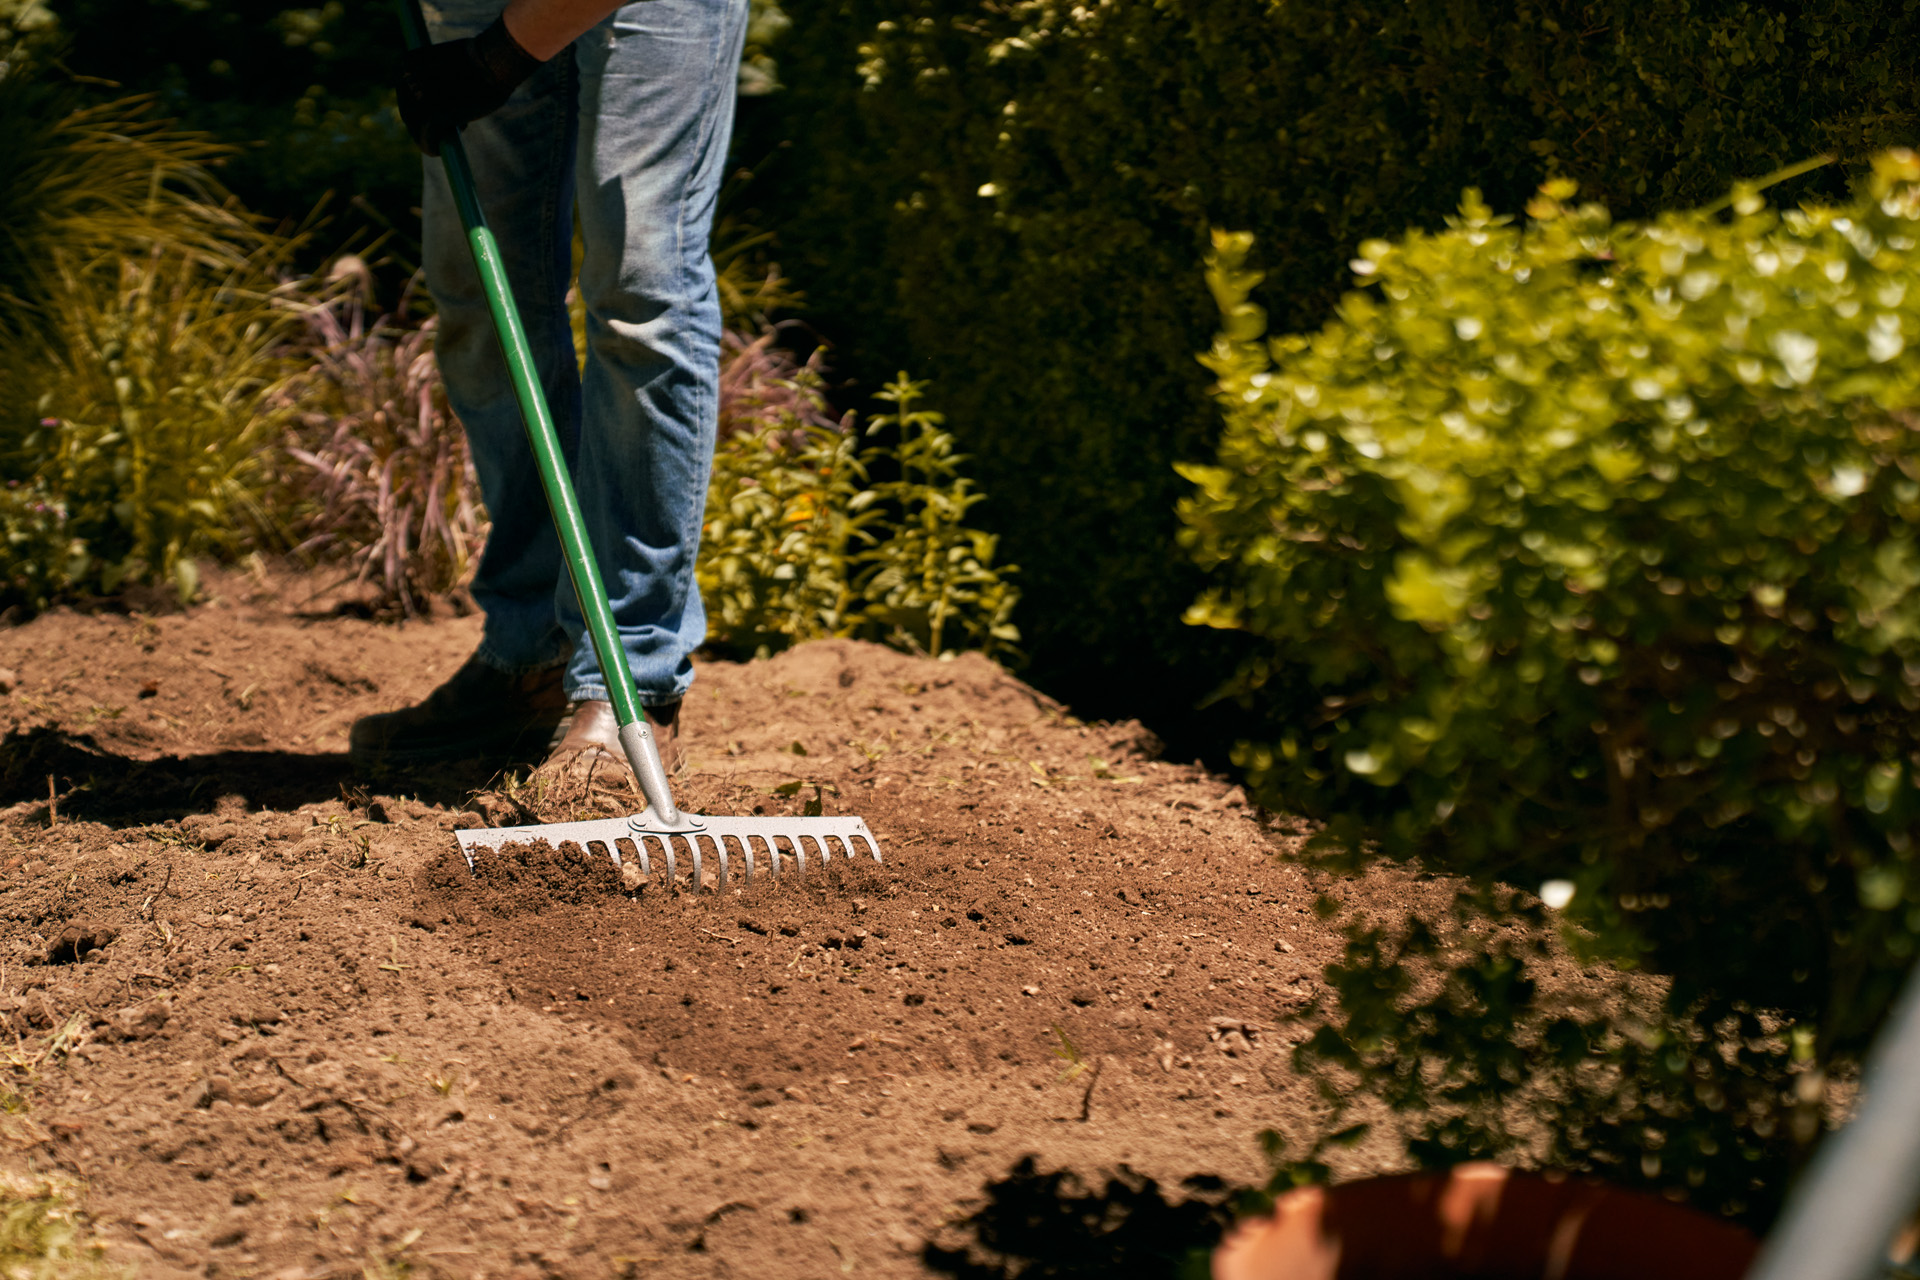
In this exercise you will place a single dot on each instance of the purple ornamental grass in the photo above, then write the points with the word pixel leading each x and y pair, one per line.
pixel 762 386
pixel 383 478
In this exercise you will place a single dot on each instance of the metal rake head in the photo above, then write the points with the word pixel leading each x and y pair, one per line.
pixel 641 838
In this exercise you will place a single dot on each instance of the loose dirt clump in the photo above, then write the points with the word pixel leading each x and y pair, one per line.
pixel 286 1031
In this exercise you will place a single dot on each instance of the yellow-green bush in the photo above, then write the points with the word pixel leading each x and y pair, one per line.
pixel 800 542
pixel 89 183
pixel 780 534
pixel 1587 552
pixel 928 580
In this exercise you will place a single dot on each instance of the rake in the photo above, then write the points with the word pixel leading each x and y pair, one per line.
pixel 662 829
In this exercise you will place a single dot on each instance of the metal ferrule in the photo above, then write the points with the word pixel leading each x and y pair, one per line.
pixel 643 757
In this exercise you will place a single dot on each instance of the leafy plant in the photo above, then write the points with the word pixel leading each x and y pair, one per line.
pixel 799 544
pixel 143 330
pixel 931 571
pixel 784 515
pixel 382 480
pixel 1585 553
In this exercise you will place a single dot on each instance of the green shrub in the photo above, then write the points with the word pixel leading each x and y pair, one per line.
pixel 783 517
pixel 143 329
pixel 781 532
pixel 1592 548
pixel 799 543
pixel 1011 200
pixel 927 575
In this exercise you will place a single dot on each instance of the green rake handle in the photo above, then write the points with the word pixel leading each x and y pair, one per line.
pixel 636 737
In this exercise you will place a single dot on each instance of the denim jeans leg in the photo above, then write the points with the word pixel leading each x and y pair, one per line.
pixel 522 158
pixel 656 84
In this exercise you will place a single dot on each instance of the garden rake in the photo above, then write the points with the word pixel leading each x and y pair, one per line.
pixel 662 825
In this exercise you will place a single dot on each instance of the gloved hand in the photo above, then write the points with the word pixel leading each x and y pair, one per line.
pixel 443 86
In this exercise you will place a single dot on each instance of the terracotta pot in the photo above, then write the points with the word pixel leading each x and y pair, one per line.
pixel 1484 1222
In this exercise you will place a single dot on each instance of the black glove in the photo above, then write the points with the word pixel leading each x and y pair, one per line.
pixel 443 86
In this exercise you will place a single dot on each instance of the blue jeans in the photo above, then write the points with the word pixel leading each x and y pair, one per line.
pixel 629 128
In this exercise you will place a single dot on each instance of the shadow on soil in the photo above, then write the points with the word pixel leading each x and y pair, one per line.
pixel 97 785
pixel 1048 1226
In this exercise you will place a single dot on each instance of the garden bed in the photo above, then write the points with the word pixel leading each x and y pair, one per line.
pixel 298 1039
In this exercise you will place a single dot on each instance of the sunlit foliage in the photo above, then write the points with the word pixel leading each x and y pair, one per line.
pixel 1595 545
pixel 801 542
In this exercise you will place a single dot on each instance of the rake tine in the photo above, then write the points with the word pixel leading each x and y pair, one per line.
pixel 640 856
pixel 621 839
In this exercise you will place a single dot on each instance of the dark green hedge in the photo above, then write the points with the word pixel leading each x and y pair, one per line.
pixel 1014 199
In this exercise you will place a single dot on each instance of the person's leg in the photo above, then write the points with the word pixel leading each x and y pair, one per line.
pixel 522 158
pixel 657 84
pixel 507 700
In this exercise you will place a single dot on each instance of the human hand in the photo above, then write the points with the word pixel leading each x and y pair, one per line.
pixel 444 86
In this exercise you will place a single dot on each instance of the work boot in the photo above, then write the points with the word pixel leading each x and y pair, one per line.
pixel 588 740
pixel 481 712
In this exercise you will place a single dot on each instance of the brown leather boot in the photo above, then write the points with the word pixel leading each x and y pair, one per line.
pixel 588 740
pixel 481 712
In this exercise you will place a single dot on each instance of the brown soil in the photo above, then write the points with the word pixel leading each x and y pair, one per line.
pixel 301 1039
